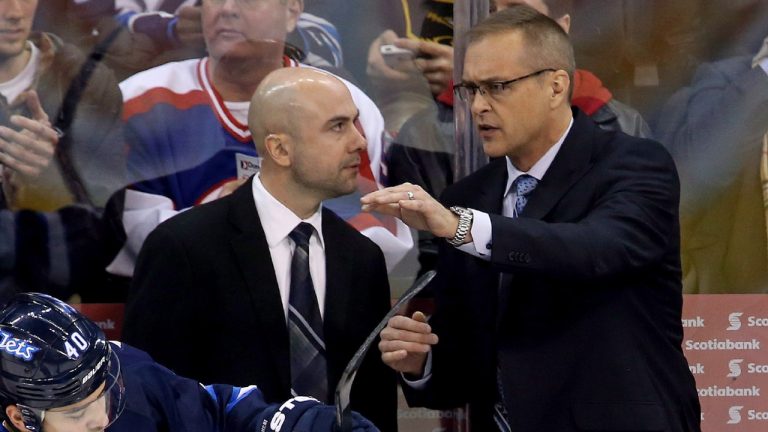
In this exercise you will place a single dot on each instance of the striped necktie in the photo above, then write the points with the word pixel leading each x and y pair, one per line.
pixel 305 326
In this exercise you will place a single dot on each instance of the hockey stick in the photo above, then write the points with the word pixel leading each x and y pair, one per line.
pixel 343 412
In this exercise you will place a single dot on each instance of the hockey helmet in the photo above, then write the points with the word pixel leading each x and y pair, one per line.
pixel 52 356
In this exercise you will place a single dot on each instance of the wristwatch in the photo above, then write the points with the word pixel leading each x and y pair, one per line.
pixel 465 223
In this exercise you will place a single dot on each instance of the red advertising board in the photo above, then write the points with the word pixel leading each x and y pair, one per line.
pixel 108 316
pixel 726 343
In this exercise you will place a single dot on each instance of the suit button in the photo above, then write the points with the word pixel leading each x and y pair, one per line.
pixel 516 257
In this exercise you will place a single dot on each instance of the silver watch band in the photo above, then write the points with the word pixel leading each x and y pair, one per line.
pixel 465 223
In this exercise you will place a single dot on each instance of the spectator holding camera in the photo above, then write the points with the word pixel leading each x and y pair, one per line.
pixel 59 147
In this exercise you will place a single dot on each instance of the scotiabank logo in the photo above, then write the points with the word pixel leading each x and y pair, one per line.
pixel 697 322
pixel 734 414
pixel 752 415
pixel 735 368
pixel 735 321
pixel 754 321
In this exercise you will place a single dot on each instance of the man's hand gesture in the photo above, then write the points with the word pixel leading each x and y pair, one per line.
pixel 405 343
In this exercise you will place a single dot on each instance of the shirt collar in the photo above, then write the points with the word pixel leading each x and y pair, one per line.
pixel 541 166
pixel 278 220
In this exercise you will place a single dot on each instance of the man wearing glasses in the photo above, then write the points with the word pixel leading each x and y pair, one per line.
pixel 558 296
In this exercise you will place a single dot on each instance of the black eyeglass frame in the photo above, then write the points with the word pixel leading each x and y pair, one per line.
pixel 470 90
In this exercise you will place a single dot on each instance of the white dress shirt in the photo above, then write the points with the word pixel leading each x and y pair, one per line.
pixel 763 65
pixel 480 246
pixel 278 221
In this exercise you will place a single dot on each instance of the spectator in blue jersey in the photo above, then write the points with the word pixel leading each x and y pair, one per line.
pixel 176 23
pixel 150 33
pixel 60 374
pixel 187 133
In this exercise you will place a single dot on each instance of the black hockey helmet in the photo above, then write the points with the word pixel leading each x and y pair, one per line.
pixel 52 356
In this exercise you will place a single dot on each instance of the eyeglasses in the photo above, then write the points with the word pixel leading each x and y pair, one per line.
pixel 466 91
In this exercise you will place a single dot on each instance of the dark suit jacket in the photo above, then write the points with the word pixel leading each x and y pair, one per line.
pixel 586 324
pixel 205 302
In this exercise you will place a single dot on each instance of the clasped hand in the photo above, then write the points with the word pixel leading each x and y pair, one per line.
pixel 29 148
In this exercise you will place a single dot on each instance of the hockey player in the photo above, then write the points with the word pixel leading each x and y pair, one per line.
pixel 58 373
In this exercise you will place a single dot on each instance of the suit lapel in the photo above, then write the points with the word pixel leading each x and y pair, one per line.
pixel 571 162
pixel 338 268
pixel 490 198
pixel 252 254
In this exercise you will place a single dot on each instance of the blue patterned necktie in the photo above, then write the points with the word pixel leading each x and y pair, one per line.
pixel 305 326
pixel 524 185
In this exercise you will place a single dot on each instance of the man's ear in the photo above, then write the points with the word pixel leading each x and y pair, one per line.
pixel 14 414
pixel 560 86
pixel 293 9
pixel 280 148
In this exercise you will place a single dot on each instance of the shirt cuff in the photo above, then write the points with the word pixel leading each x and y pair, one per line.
pixel 420 383
pixel 480 246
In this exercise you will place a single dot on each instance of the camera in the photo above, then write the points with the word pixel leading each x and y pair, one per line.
pixel 394 56
pixel 6 111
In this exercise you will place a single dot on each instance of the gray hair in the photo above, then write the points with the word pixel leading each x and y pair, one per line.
pixel 547 43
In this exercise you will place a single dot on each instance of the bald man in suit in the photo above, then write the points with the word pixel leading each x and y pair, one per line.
pixel 217 278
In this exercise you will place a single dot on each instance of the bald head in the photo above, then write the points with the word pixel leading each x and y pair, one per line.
pixel 279 103
pixel 305 126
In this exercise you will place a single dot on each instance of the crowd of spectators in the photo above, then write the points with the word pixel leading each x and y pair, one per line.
pixel 117 115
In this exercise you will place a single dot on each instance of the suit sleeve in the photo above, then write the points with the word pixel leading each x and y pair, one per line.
pixel 626 225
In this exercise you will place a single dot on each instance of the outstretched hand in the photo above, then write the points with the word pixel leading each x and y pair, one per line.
pixel 415 207
pixel 405 343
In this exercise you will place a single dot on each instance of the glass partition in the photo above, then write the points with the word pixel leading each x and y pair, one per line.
pixel 140 111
